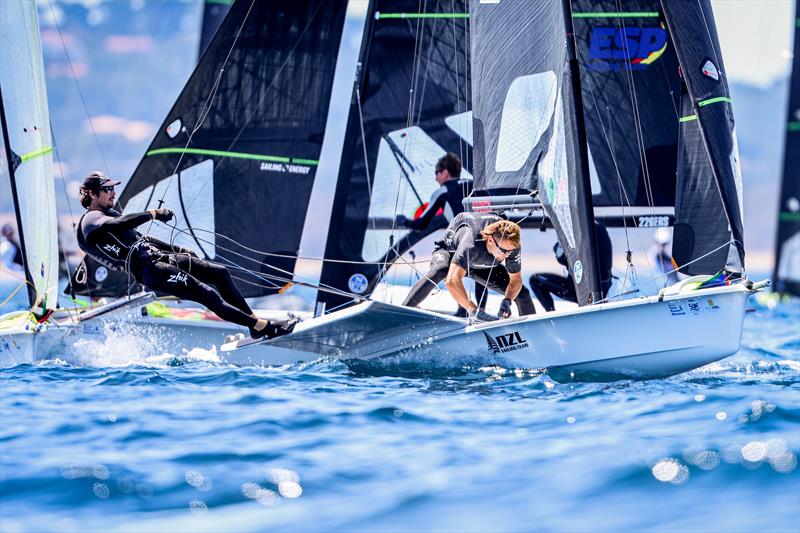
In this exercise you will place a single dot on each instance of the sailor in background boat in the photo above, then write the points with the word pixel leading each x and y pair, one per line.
pixel 545 285
pixel 485 248
pixel 111 238
pixel 10 252
pixel 449 199
pixel 660 255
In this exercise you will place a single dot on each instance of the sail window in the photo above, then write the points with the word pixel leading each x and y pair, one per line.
pixel 174 128
pixel 461 124
pixel 196 186
pixel 404 180
pixel 527 110
pixel 554 175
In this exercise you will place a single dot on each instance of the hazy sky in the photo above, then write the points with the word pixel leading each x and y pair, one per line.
pixel 756 38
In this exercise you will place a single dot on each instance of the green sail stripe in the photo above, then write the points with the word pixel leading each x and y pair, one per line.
pixel 239 155
pixel 794 125
pixel 632 14
pixel 687 118
pixel 380 15
pixel 716 100
pixel 36 153
pixel 789 216
pixel 224 2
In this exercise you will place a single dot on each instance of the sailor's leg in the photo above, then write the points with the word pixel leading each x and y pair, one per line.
pixel 497 279
pixel 217 275
pixel 168 278
pixel 545 285
pixel 440 264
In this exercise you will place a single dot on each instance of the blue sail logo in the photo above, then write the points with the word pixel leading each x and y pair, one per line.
pixel 612 49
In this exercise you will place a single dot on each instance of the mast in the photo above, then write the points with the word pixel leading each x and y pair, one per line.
pixel 787 245
pixel 582 155
pixel 13 162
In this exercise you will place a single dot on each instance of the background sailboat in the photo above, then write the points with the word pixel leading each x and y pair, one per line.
pixel 787 247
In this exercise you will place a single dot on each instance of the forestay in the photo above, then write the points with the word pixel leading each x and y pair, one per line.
pixel 29 148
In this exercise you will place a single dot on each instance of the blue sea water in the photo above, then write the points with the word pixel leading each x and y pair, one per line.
pixel 182 444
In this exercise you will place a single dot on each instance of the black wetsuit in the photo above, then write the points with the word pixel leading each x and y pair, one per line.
pixel 545 286
pixel 464 245
pixel 449 198
pixel 111 239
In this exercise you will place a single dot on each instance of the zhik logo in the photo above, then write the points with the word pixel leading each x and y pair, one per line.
pixel 113 248
pixel 613 49
pixel 507 342
pixel 178 278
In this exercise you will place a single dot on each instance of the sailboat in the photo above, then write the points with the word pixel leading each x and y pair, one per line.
pixel 242 160
pixel 531 152
pixel 28 150
pixel 787 247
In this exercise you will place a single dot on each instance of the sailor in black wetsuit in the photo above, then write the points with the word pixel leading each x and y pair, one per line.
pixel 10 252
pixel 449 199
pixel 111 238
pixel 544 286
pixel 477 245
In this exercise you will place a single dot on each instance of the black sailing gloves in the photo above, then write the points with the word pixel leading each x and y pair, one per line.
pixel 505 309
pixel 163 215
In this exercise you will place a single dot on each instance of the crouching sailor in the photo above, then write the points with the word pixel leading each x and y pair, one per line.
pixel 111 238
pixel 485 248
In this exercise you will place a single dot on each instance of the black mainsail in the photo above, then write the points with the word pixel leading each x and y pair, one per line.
pixel 708 233
pixel 527 125
pixel 214 12
pixel 410 106
pixel 787 247
pixel 237 155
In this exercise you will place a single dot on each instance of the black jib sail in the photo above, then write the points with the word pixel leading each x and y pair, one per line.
pixel 237 155
pixel 410 106
pixel 631 97
pixel 526 122
pixel 787 247
pixel 214 12
pixel 708 232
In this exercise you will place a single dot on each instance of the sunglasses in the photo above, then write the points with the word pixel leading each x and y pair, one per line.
pixel 506 252
pixel 107 189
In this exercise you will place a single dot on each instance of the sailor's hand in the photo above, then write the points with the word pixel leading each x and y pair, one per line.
pixel 505 309
pixel 164 215
pixel 400 221
pixel 479 315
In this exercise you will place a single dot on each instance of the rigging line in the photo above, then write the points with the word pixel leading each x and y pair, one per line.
pixel 71 217
pixel 250 271
pixel 207 105
pixel 258 106
pixel 78 86
pixel 287 256
pixel 636 115
pixel 409 121
pixel 557 87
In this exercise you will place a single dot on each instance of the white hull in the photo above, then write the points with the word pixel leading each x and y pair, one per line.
pixel 640 338
pixel 122 336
